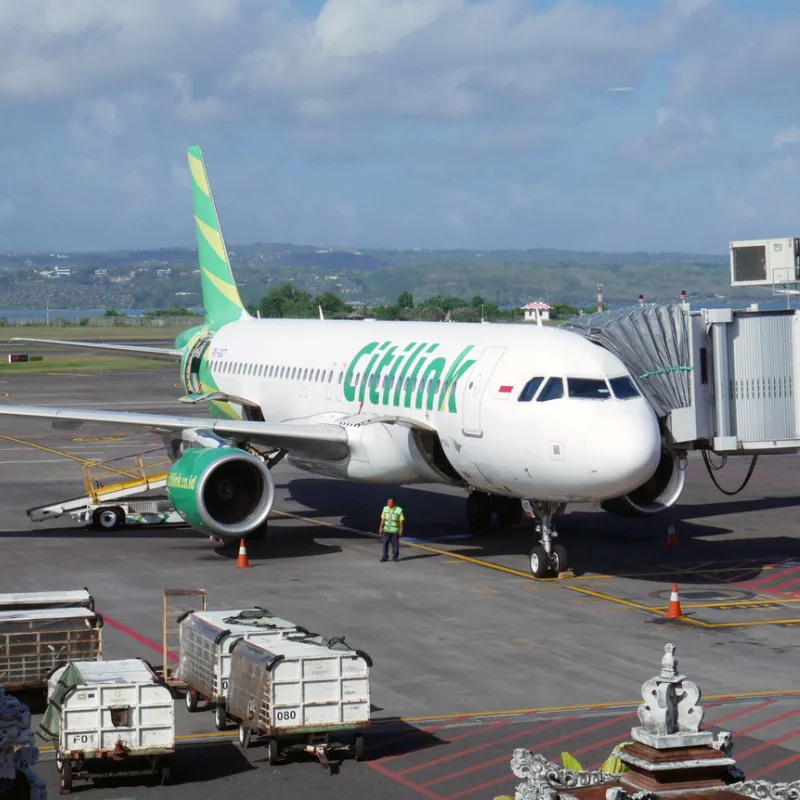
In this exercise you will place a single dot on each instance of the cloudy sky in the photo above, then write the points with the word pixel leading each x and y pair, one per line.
pixel 586 124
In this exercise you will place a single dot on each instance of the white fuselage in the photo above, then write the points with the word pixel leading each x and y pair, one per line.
pixel 591 443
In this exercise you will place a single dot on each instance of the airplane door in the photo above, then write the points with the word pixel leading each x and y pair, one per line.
pixel 475 389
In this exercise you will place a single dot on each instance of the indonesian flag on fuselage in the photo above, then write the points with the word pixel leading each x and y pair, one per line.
pixel 504 392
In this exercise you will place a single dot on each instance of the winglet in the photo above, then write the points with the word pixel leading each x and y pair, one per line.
pixel 221 300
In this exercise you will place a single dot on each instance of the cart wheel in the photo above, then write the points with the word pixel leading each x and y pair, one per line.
pixel 274 752
pixel 359 747
pixel 66 777
pixel 244 737
pixel 166 773
pixel 220 718
pixel 191 700
pixel 108 518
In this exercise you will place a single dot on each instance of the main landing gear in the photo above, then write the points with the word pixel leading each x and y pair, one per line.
pixel 482 506
pixel 547 559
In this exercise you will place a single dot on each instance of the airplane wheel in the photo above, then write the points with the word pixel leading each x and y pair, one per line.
pixel 540 563
pixel 479 511
pixel 558 559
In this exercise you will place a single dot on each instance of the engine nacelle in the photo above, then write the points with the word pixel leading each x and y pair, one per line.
pixel 221 491
pixel 660 492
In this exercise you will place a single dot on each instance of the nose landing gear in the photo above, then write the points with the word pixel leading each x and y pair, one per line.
pixel 546 559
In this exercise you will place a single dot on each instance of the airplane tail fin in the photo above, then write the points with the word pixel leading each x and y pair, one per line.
pixel 221 300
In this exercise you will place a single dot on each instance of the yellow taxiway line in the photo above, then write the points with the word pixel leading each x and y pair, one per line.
pixel 505 713
pixel 660 611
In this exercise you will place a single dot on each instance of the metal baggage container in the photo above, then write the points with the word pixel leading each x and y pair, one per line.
pixel 71 598
pixel 35 642
pixel 300 695
pixel 109 718
pixel 206 639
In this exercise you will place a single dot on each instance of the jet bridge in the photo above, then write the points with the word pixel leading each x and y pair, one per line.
pixel 724 380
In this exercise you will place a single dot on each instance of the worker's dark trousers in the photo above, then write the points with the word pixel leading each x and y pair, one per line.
pixel 395 539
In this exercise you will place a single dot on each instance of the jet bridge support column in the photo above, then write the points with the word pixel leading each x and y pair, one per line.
pixel 719 319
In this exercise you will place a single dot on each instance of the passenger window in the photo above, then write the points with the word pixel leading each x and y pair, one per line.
pixel 588 389
pixel 529 390
pixel 553 390
pixel 623 388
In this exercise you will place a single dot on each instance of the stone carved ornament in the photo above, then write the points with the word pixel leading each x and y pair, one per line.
pixel 18 753
pixel 676 708
pixel 764 790
pixel 543 779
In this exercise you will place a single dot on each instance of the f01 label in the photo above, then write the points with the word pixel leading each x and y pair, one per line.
pixel 84 738
pixel 284 716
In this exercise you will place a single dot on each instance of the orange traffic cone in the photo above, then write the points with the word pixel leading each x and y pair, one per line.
pixel 674 610
pixel 672 539
pixel 242 561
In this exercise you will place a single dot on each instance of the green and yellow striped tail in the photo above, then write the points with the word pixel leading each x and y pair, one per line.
pixel 221 301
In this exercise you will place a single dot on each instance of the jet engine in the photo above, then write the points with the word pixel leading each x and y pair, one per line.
pixel 660 492
pixel 223 491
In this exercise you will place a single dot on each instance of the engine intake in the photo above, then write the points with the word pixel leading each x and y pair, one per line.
pixel 222 491
pixel 659 493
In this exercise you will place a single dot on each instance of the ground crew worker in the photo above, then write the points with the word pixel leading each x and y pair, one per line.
pixel 391 529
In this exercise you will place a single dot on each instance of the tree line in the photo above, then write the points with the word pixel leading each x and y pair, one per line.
pixel 288 302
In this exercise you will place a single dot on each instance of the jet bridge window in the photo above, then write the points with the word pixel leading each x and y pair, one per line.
pixel 553 390
pixel 529 390
pixel 588 389
pixel 623 388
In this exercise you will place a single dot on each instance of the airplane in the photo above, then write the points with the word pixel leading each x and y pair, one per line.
pixel 518 416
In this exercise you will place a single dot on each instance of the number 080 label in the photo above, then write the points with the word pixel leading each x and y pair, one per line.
pixel 284 715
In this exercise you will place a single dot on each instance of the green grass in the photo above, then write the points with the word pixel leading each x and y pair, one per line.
pixel 90 333
pixel 84 363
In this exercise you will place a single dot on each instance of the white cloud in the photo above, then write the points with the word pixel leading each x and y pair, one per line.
pixel 497 118
pixel 365 27
pixel 788 137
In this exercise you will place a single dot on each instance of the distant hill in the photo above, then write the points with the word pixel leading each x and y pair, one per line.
pixel 505 277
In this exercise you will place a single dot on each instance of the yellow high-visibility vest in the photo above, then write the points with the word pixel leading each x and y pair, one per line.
pixel 391 519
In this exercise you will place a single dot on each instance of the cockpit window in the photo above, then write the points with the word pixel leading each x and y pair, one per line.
pixel 553 390
pixel 529 390
pixel 623 388
pixel 588 388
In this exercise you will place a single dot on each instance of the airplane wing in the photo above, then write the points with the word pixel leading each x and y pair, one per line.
pixel 328 441
pixel 161 352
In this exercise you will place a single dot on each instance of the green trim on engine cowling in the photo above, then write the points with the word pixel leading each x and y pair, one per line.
pixel 182 482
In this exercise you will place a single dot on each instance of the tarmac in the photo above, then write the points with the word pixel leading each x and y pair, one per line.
pixel 472 656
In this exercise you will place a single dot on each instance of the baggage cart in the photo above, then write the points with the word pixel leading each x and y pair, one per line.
pixel 72 598
pixel 311 696
pixel 35 642
pixel 206 639
pixel 109 718
pixel 177 602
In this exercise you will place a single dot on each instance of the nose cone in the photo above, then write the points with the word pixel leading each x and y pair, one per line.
pixel 625 449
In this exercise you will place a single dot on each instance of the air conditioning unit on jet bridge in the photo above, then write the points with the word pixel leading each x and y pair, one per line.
pixel 765 262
